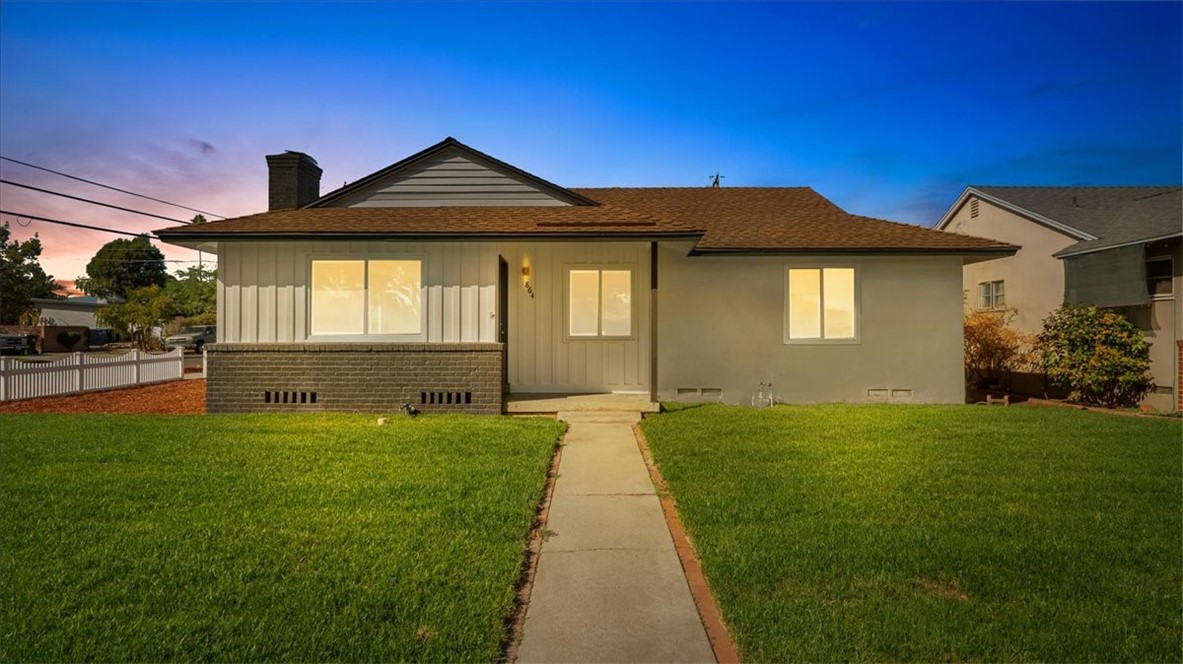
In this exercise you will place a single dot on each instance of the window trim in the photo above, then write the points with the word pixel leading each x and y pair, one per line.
pixel 1170 260
pixel 993 296
pixel 600 267
pixel 363 337
pixel 857 340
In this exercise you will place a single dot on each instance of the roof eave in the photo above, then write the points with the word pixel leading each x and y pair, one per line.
pixel 1066 253
pixel 995 252
pixel 469 235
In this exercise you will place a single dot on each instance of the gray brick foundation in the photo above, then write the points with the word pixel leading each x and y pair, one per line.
pixel 365 377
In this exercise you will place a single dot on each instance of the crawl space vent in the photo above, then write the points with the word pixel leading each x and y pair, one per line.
pixel 445 398
pixel 282 397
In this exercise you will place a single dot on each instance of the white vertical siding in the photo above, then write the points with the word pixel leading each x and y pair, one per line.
pixel 541 357
pixel 263 297
pixel 263 287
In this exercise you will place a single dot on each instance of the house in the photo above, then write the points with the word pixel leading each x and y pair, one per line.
pixel 451 280
pixel 1116 247
pixel 72 311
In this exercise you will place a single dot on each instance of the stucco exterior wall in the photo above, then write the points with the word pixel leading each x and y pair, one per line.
pixel 721 327
pixel 1034 279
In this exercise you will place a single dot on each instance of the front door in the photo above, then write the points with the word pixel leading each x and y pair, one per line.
pixel 503 320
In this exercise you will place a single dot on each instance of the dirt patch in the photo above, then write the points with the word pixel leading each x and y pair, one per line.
pixel 949 589
pixel 179 397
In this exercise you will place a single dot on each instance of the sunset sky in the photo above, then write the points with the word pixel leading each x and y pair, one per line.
pixel 887 109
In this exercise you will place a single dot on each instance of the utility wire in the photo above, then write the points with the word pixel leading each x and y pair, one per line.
pixel 77 225
pixel 87 200
pixel 107 186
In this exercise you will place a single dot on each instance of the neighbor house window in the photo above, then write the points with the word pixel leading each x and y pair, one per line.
pixel 1159 277
pixel 600 303
pixel 366 297
pixel 821 304
pixel 991 295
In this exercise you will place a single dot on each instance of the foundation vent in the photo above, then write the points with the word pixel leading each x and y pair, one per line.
pixel 897 393
pixel 445 398
pixel 878 393
pixel 687 391
pixel 712 391
pixel 283 397
pixel 889 393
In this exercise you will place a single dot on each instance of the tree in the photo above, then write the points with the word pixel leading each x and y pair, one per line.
pixel 193 291
pixel 121 266
pixel 143 309
pixel 21 276
pixel 1098 354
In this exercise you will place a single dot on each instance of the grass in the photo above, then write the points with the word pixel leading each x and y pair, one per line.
pixel 249 538
pixel 864 533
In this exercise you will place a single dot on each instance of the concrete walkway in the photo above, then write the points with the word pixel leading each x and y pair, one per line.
pixel 609 587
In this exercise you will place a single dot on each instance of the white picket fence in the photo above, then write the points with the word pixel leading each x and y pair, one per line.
pixel 24 379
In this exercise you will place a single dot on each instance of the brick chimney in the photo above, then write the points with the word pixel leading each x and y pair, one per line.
pixel 294 180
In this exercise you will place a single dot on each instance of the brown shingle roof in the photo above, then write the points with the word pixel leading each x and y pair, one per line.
pixel 442 221
pixel 782 219
pixel 728 219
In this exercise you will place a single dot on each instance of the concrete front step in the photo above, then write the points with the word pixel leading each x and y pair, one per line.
pixel 519 404
pixel 599 416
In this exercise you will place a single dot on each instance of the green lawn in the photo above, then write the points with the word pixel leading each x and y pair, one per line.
pixel 834 533
pixel 246 538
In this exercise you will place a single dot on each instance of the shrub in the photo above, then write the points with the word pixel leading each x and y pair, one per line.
pixel 69 338
pixel 1098 354
pixel 993 350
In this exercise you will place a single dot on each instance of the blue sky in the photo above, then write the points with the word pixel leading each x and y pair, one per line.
pixel 888 109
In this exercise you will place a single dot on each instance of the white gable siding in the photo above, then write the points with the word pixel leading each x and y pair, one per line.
pixel 449 179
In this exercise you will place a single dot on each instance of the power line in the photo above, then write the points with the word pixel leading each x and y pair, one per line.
pixel 107 186
pixel 77 225
pixel 92 202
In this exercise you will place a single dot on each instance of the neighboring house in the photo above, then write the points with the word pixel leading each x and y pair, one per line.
pixel 72 311
pixel 1116 247
pixel 450 280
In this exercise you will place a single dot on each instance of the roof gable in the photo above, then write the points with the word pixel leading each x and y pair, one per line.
pixel 451 174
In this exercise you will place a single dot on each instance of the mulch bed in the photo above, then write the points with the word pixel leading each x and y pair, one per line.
pixel 178 397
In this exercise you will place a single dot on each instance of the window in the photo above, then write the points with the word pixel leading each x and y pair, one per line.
pixel 366 297
pixel 1159 277
pixel 600 303
pixel 991 295
pixel 821 304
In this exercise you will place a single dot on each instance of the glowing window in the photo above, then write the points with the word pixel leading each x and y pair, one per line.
pixel 600 303
pixel 821 304
pixel 360 297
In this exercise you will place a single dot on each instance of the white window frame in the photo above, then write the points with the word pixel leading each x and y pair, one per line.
pixel 366 258
pixel 600 267
pixel 981 306
pixel 858 304
pixel 1169 260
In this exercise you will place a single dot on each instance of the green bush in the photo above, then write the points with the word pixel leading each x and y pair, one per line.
pixel 69 338
pixel 1099 355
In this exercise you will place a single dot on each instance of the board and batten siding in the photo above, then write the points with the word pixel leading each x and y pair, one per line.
pixel 541 356
pixel 449 179
pixel 263 290
pixel 263 297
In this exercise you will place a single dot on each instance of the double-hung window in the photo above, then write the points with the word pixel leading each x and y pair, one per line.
pixel 821 304
pixel 599 303
pixel 992 295
pixel 366 298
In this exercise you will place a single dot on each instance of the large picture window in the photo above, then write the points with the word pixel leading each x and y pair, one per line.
pixel 600 303
pixel 366 297
pixel 821 304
